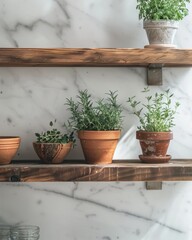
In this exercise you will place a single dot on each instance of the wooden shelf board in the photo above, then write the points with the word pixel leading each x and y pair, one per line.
pixel 78 171
pixel 94 57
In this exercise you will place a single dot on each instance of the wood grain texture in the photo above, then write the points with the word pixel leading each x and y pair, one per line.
pixel 75 171
pixel 95 57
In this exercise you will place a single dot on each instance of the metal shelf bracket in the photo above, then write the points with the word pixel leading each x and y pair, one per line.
pixel 154 185
pixel 154 74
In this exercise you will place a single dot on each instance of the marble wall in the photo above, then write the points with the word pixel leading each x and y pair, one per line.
pixel 31 97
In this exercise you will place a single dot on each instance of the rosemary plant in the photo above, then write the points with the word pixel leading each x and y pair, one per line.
pixel 104 114
pixel 158 113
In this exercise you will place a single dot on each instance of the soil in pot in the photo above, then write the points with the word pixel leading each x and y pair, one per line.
pixel 154 146
pixel 8 148
pixel 52 153
pixel 99 146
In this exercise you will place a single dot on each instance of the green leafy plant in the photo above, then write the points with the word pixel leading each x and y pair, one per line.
pixel 104 114
pixel 159 113
pixel 162 9
pixel 55 136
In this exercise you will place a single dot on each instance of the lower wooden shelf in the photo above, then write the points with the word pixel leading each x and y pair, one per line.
pixel 78 171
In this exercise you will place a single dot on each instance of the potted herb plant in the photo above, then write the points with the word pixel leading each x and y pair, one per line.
pixel 98 124
pixel 156 120
pixel 161 19
pixel 52 146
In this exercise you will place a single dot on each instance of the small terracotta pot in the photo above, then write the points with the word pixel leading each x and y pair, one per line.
pixel 154 146
pixel 52 153
pixel 99 146
pixel 8 148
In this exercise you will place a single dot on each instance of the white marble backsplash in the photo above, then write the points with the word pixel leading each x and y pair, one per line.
pixel 105 211
pixel 31 97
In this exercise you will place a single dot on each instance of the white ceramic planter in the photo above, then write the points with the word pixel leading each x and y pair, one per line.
pixel 160 33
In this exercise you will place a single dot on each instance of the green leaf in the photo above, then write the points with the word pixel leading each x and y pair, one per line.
pixel 158 114
pixel 162 9
pixel 103 114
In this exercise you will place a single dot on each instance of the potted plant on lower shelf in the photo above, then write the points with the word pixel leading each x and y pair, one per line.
pixel 52 146
pixel 98 125
pixel 8 148
pixel 156 122
pixel 161 18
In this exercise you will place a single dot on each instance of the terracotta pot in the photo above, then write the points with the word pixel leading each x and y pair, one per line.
pixel 160 33
pixel 52 152
pixel 8 148
pixel 154 146
pixel 99 146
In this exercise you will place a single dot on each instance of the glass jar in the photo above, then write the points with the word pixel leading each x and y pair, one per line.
pixel 25 232
pixel 4 232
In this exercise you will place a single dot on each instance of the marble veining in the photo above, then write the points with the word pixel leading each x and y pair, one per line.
pixel 31 97
pixel 93 204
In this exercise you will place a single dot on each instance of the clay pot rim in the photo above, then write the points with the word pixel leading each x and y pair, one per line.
pixel 10 140
pixel 118 130
pixel 143 131
pixel 99 135
pixel 69 143
pixel 9 137
pixel 140 134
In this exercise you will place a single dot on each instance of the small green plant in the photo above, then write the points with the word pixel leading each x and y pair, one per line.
pixel 55 136
pixel 104 114
pixel 162 9
pixel 159 113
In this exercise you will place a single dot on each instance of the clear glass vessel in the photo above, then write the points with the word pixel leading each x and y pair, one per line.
pixel 25 232
pixel 4 232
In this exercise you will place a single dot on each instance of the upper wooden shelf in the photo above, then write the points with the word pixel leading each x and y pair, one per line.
pixel 94 57
pixel 129 170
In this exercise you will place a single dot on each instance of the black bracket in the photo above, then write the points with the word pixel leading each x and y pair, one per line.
pixel 154 74
pixel 154 185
